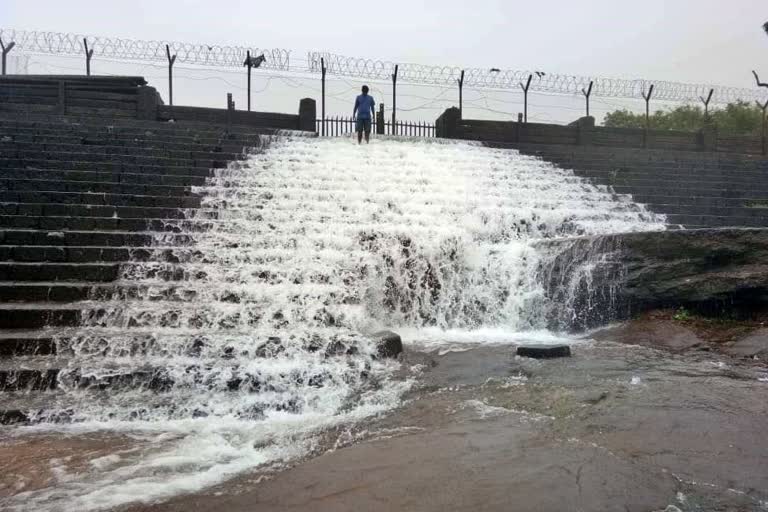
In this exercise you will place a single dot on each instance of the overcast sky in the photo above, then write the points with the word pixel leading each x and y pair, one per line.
pixel 714 41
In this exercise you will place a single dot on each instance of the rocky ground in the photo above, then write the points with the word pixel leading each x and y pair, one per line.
pixel 665 412
pixel 615 427
pixel 683 331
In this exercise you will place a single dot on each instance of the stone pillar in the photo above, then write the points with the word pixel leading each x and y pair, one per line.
pixel 447 125
pixel 147 101
pixel 585 127
pixel 307 115
pixel 380 120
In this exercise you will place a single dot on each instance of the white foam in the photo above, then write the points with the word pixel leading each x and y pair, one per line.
pixel 311 242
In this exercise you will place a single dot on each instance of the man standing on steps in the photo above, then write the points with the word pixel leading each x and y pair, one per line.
pixel 365 107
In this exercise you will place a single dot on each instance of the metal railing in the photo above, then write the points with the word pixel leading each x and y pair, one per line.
pixel 337 126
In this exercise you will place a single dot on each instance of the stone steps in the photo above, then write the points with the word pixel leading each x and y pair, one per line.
pixel 611 168
pixel 620 155
pixel 13 149
pixel 87 254
pixel 129 129
pixel 18 379
pixel 89 238
pixel 693 221
pixel 58 291
pixel 209 161
pixel 95 282
pixel 697 191
pixel 692 200
pixel 38 315
pixel 223 144
pixel 10 184
pixel 746 214
pixel 59 223
pixel 108 177
pixel 38 374
pixel 19 342
pixel 693 189
pixel 99 199
pixel 723 180
pixel 16 208
pixel 97 272
pixel 81 199
pixel 169 168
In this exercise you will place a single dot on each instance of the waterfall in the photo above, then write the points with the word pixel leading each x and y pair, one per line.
pixel 241 334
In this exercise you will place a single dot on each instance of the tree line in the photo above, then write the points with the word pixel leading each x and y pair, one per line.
pixel 738 118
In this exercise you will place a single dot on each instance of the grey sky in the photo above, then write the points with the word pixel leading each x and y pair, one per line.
pixel 713 41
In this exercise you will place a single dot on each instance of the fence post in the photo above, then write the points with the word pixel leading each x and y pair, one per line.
pixel 706 104
pixel 248 64
pixel 230 108
pixel 647 98
pixel 380 120
pixel 525 97
pixel 763 108
pixel 88 55
pixel 322 104
pixel 587 94
pixel 171 61
pixel 461 98
pixel 394 101
pixel 6 50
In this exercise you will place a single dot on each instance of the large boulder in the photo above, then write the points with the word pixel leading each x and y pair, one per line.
pixel 634 272
pixel 752 345
pixel 657 333
pixel 696 266
pixel 388 344
pixel 544 351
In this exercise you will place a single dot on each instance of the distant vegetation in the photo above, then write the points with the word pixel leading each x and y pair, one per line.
pixel 740 118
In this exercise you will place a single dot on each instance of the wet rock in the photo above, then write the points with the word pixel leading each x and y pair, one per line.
pixel 12 417
pixel 388 344
pixel 707 270
pixel 544 351
pixel 753 345
pixel 196 347
pixel 335 348
pixel 271 348
pixel 696 266
pixel 253 412
pixel 657 333
pixel 231 297
pixel 313 344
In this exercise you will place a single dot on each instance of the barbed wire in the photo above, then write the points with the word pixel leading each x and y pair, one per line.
pixel 512 79
pixel 55 43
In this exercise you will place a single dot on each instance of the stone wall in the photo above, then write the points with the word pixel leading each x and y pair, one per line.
pixel 583 132
pixel 126 98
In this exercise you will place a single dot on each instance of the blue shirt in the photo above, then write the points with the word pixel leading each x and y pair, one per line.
pixel 364 106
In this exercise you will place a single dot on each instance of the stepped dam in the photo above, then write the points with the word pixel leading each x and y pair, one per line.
pixel 182 304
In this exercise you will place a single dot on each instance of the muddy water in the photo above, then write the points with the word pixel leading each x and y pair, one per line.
pixel 612 428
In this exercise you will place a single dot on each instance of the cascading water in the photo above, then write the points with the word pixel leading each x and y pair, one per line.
pixel 238 338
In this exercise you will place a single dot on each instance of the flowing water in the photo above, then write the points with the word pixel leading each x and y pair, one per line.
pixel 240 338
